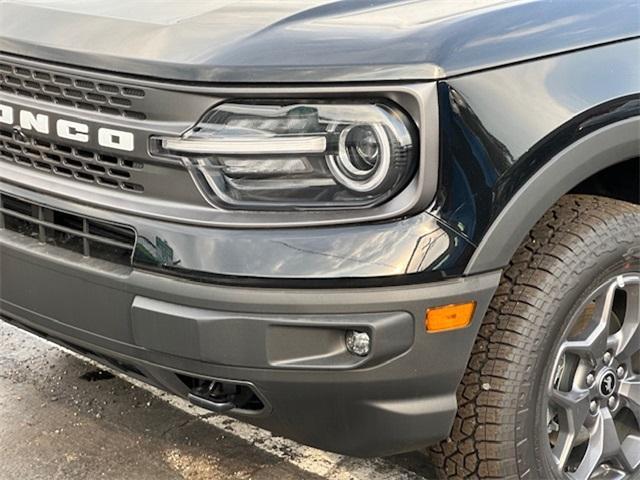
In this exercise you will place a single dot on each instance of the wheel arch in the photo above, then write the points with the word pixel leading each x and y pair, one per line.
pixel 593 153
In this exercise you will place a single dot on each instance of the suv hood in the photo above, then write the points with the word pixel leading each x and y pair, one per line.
pixel 250 41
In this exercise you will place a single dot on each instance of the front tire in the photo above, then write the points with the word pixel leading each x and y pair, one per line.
pixel 538 399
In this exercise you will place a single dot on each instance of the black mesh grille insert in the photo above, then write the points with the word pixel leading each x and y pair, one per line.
pixel 65 161
pixel 83 235
pixel 71 91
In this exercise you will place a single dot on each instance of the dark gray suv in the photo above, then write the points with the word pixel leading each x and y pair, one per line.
pixel 367 226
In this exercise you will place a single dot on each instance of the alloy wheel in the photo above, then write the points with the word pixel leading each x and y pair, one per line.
pixel 593 395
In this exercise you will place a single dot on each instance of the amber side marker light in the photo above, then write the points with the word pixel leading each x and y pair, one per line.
pixel 449 317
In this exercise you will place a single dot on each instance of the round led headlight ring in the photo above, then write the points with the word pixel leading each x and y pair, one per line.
pixel 364 157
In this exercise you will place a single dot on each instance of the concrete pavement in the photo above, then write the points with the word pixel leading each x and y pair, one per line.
pixel 62 417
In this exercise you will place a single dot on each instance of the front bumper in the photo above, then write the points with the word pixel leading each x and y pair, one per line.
pixel 285 344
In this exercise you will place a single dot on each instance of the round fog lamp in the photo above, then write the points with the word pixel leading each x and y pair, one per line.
pixel 358 343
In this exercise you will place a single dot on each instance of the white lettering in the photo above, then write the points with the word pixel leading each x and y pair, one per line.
pixel 72 130
pixel 115 139
pixel 67 129
pixel 39 122
pixel 6 114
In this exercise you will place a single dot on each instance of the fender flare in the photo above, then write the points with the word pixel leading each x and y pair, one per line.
pixel 607 146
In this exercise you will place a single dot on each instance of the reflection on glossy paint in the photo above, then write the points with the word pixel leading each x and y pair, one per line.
pixel 317 40
pixel 489 148
pixel 410 246
pixel 500 126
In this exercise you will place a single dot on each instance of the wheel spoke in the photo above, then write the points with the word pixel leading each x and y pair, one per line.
pixel 604 444
pixel 594 453
pixel 574 409
pixel 602 316
pixel 629 392
pixel 596 344
pixel 627 339
pixel 611 446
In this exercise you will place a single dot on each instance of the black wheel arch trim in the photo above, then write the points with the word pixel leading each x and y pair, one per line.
pixel 587 156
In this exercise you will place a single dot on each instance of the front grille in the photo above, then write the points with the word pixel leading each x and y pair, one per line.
pixel 86 236
pixel 72 91
pixel 65 161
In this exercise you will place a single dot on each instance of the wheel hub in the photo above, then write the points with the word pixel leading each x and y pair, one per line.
pixel 608 383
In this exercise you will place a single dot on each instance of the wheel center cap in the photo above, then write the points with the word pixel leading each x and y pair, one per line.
pixel 608 383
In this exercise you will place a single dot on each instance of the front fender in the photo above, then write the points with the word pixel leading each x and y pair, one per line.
pixel 515 139
pixel 589 155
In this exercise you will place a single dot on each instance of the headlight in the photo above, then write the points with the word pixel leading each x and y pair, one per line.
pixel 296 156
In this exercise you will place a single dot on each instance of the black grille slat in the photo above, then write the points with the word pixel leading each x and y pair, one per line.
pixel 82 165
pixel 72 232
pixel 43 224
pixel 72 91
pixel 86 246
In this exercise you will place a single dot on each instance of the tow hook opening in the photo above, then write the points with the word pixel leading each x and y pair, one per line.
pixel 221 396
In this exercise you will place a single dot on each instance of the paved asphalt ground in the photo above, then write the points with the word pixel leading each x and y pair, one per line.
pixel 61 417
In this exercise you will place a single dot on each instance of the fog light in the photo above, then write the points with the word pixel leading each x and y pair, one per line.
pixel 358 343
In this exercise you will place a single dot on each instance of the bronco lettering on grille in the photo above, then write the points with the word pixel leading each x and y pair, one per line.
pixel 67 129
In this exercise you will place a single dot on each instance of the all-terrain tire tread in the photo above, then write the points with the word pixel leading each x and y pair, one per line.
pixel 482 443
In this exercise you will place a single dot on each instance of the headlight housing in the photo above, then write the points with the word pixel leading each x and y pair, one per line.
pixel 299 155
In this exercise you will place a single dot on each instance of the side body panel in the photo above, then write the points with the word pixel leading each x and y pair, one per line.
pixel 499 128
